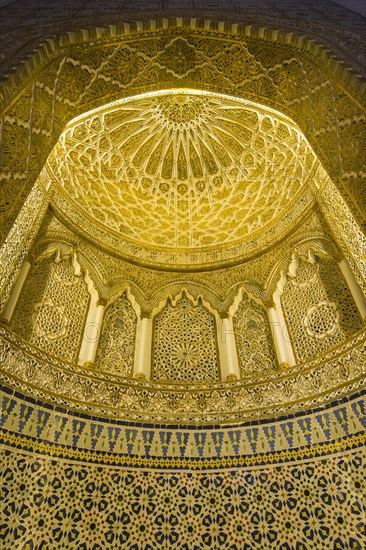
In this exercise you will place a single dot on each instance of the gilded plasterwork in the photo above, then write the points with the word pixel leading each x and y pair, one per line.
pixel 210 194
pixel 184 344
pixel 292 75
pixel 253 338
pixel 20 238
pixel 319 308
pixel 280 75
pixel 349 236
pixel 182 169
pixel 51 311
pixel 111 274
pixel 186 259
pixel 117 340
pixel 340 372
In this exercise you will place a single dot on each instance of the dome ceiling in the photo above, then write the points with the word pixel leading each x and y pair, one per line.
pixel 182 169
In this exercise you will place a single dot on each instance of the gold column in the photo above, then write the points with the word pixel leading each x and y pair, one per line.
pixel 229 363
pixel 142 362
pixel 281 340
pixel 17 289
pixel 354 288
pixel 92 331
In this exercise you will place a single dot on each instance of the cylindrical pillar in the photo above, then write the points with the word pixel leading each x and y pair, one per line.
pixel 229 364
pixel 142 363
pixel 17 289
pixel 92 332
pixel 355 290
pixel 281 340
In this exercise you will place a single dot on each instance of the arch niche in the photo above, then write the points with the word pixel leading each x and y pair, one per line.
pixel 239 454
pixel 79 71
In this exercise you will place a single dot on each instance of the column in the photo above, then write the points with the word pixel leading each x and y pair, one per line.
pixel 229 364
pixel 342 223
pixel 281 340
pixel 92 332
pixel 20 237
pixel 355 290
pixel 17 289
pixel 142 362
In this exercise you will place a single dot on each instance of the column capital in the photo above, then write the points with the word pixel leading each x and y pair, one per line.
pixel 224 315
pixel 339 256
pixel 102 302
pixel 270 303
pixel 145 314
pixel 30 258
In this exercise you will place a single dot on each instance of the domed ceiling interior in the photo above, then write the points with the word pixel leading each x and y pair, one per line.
pixel 182 169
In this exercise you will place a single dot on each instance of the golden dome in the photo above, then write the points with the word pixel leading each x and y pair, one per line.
pixel 182 169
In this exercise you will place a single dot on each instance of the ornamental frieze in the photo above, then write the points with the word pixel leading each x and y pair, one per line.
pixel 338 373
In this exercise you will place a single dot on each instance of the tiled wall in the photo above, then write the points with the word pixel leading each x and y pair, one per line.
pixel 32 426
pixel 69 481
pixel 51 503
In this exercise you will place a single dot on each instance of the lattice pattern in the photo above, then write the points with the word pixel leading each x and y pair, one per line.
pixel 184 345
pixel 267 73
pixel 52 308
pixel 319 308
pixel 325 380
pixel 164 168
pixel 116 345
pixel 253 338
pixel 317 505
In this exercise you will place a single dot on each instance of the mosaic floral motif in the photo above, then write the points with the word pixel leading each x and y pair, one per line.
pixel 294 506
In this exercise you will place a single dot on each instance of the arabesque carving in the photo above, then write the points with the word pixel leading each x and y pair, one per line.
pixel 253 338
pixel 51 310
pixel 184 343
pixel 319 308
pixel 112 274
pixel 20 239
pixel 326 106
pixel 338 373
pixel 160 169
pixel 284 76
pixel 117 341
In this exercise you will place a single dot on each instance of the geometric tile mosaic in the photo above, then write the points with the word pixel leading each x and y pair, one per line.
pixel 72 481
pixel 49 504
pixel 33 427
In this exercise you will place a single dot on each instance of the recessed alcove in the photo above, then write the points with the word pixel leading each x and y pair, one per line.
pixel 182 280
